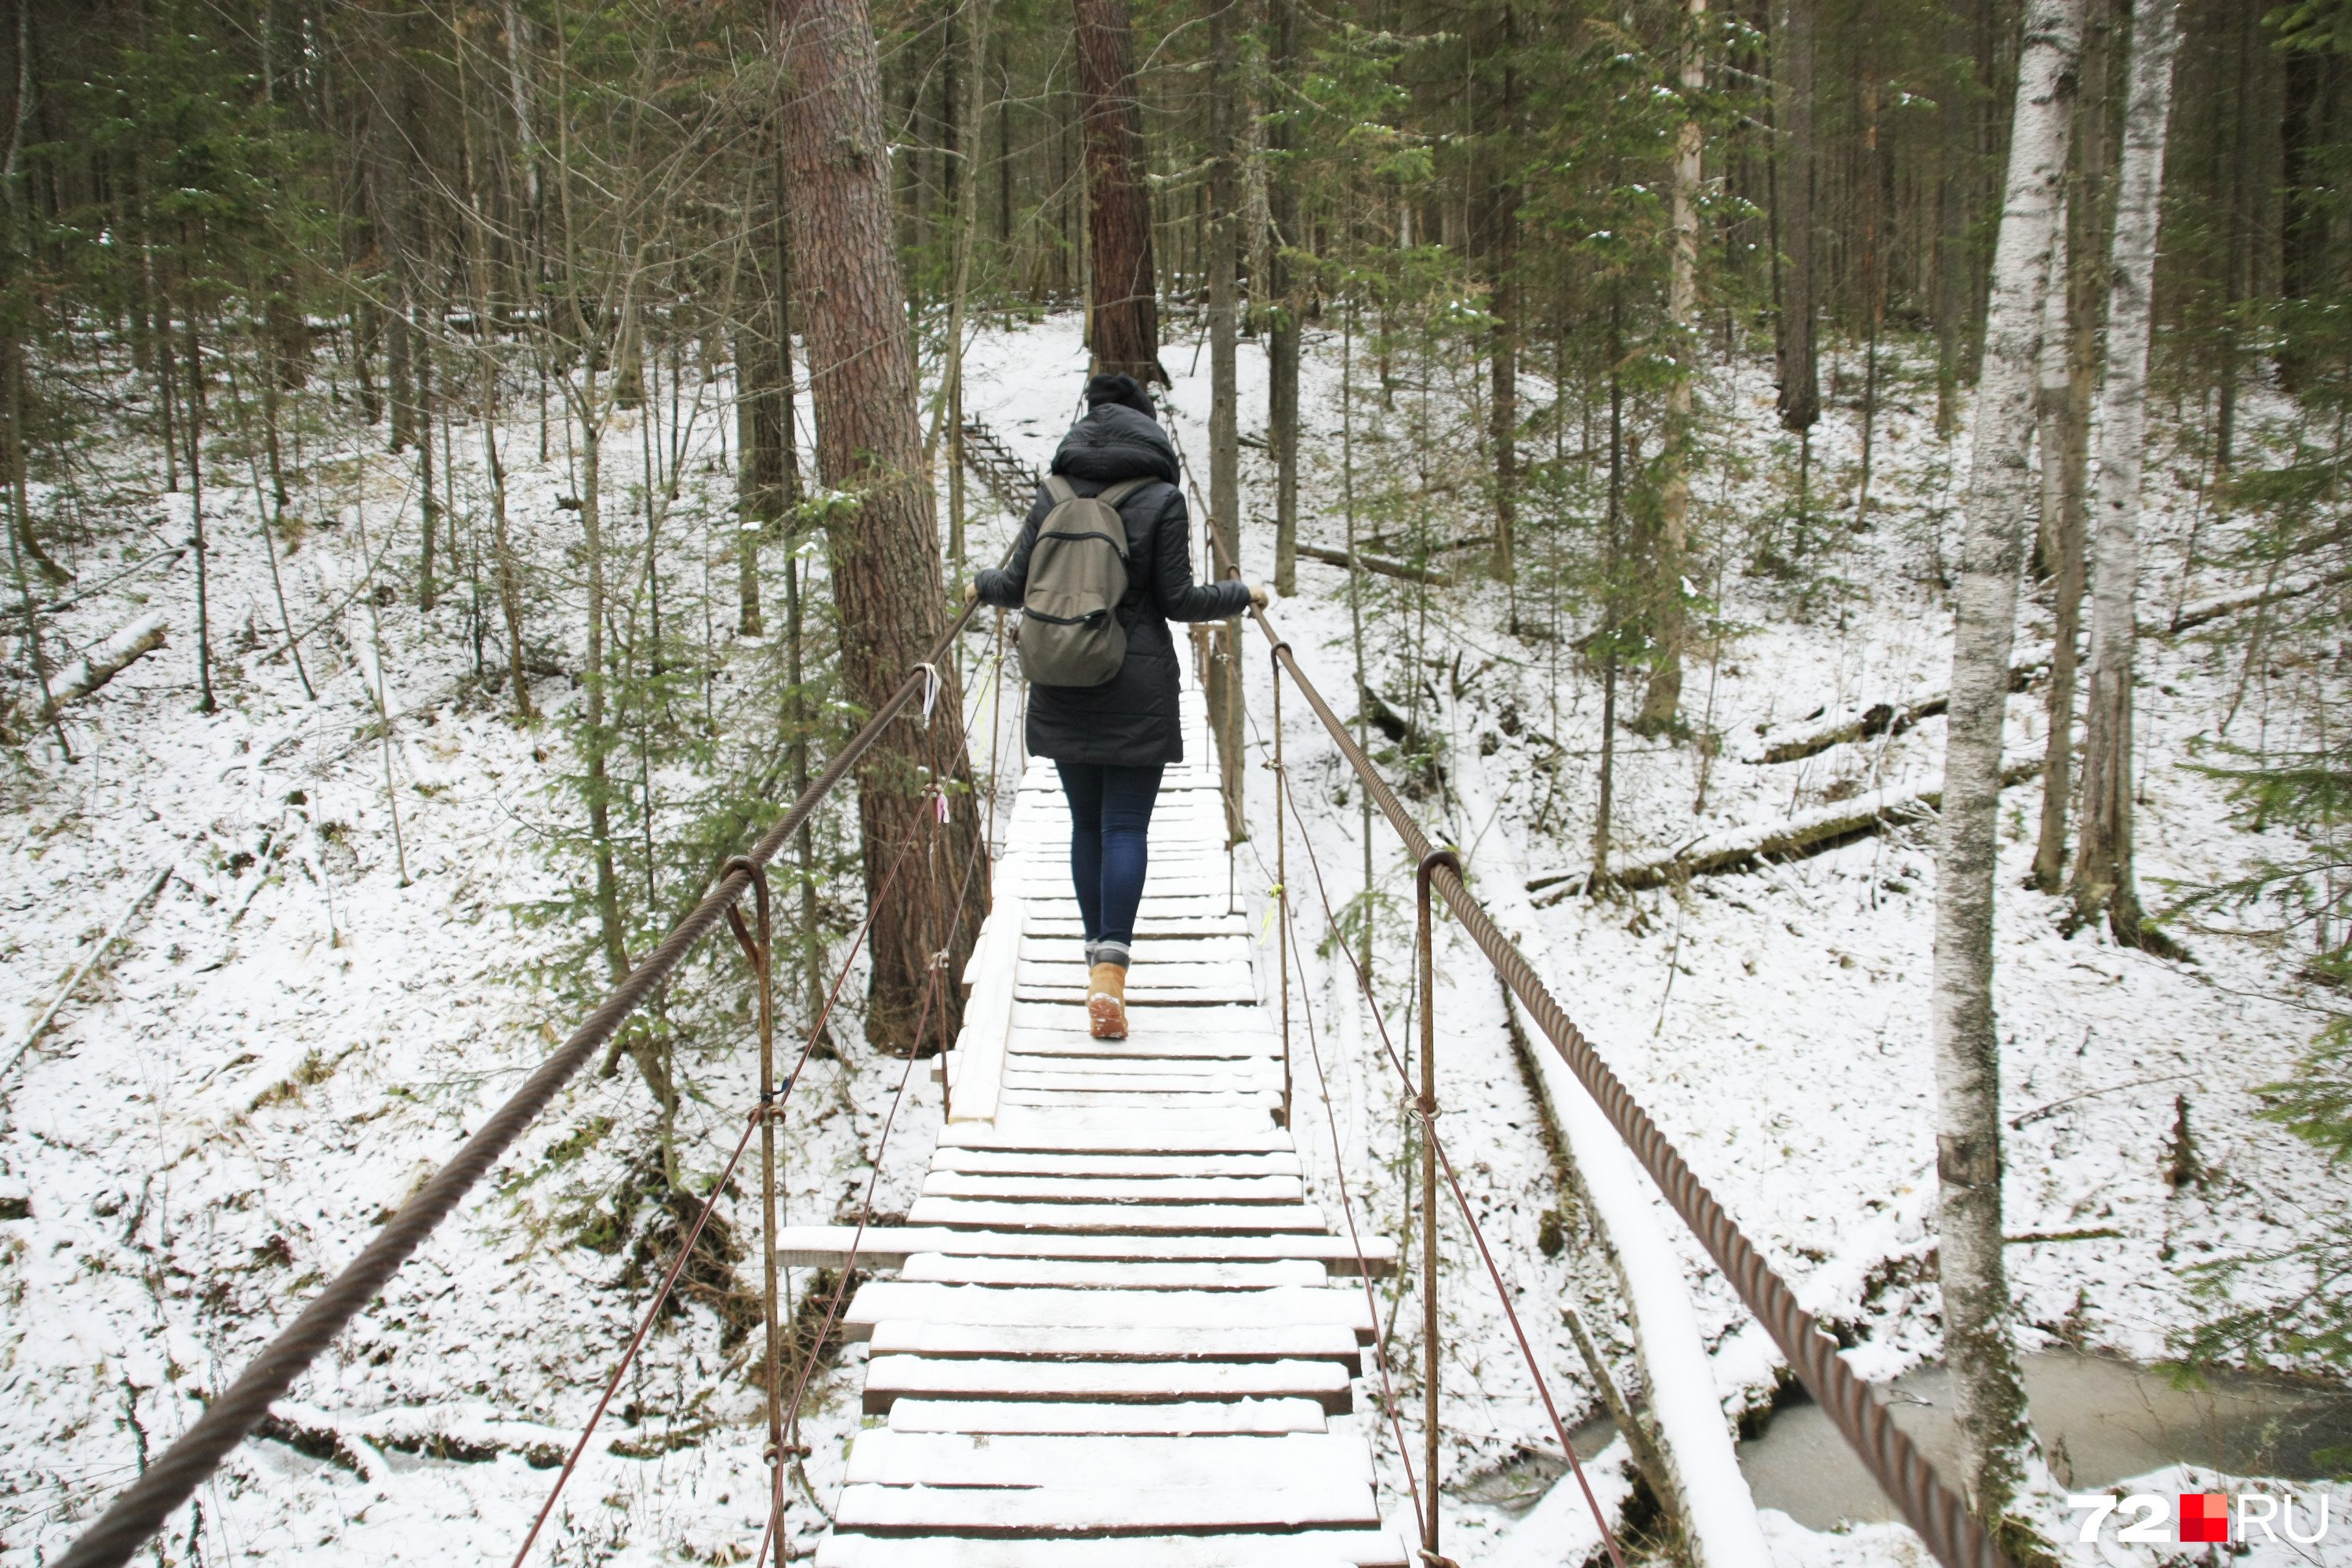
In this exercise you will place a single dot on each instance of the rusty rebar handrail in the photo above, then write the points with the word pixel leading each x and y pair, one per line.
pixel 140 1510
pixel 1932 1509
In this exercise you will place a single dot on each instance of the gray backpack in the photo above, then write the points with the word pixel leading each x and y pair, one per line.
pixel 1070 634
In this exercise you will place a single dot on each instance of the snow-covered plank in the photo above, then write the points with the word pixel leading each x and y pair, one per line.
pixel 1090 1509
pixel 1021 1163
pixel 1245 1220
pixel 1270 1415
pixel 1184 1073
pixel 1117 1190
pixel 1312 1461
pixel 1247 1021
pixel 1313 1305
pixel 1106 1383
pixel 1300 1548
pixel 1065 1273
pixel 978 1074
pixel 1126 1122
pixel 889 1246
pixel 1126 1099
pixel 1113 1137
pixel 1060 1342
pixel 1147 974
pixel 1166 1038
pixel 1249 1076
pixel 1041 924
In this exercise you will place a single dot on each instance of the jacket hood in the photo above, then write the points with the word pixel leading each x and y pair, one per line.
pixel 1114 442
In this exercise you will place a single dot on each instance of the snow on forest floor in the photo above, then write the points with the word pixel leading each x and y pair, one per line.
pixel 290 1037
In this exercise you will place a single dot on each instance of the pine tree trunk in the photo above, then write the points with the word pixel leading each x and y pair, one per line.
pixel 1282 340
pixel 886 554
pixel 1989 1395
pixel 1123 308
pixel 1800 389
pixel 1662 701
pixel 2241 193
pixel 1501 219
pixel 510 580
pixel 967 227
pixel 2103 880
pixel 428 497
pixel 1955 127
pixel 754 391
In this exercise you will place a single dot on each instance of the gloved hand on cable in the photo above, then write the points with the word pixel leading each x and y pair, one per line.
pixel 1258 595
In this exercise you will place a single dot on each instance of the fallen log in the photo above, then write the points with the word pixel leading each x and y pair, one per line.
pixel 21 611
pixel 1879 719
pixel 92 670
pixel 1887 717
pixel 1738 849
pixel 1379 563
pixel 2213 609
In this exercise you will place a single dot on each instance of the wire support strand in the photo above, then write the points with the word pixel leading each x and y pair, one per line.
pixel 1935 1510
pixel 759 1113
pixel 1429 1131
pixel 141 1508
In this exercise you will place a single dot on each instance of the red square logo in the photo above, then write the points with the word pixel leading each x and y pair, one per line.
pixel 2204 1516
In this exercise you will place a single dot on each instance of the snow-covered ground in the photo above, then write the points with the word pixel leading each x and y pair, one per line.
pixel 294 1033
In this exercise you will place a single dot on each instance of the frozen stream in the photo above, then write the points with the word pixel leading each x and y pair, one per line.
pixel 2113 1418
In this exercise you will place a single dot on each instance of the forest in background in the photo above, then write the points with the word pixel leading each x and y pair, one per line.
pixel 268 238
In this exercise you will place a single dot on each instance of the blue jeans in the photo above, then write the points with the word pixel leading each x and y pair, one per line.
pixel 1110 823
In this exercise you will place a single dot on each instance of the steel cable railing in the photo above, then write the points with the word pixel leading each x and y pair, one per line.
pixel 140 1510
pixel 1936 1511
pixel 1426 1114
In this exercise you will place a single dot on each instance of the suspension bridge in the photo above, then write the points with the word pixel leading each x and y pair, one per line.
pixel 1117 1332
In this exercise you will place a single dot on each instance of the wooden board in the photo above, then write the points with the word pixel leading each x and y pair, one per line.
pixel 1193 1219
pixel 1020 1162
pixel 1117 1190
pixel 1296 1549
pixel 1063 1273
pixel 1280 1307
pixel 1120 1334
pixel 1269 1416
pixel 888 1246
pixel 1060 1342
pixel 1105 1383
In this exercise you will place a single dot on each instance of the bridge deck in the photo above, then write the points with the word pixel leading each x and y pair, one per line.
pixel 1119 1334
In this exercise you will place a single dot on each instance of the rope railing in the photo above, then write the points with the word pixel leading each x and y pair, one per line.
pixel 141 1508
pixel 1932 1509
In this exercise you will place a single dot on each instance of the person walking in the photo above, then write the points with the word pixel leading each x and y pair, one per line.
pixel 1086 594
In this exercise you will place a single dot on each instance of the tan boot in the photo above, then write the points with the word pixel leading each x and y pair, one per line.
pixel 1106 1000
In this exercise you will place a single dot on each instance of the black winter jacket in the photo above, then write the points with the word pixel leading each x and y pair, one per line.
pixel 1133 718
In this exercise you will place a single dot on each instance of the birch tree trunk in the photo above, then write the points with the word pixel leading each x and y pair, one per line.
pixel 1662 701
pixel 886 551
pixel 1990 1397
pixel 2060 546
pixel 2103 864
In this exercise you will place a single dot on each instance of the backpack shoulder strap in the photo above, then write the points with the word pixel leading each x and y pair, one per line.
pixel 1123 488
pixel 1060 488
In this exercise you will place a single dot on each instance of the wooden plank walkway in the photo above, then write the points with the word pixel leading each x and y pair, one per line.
pixel 1119 1332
